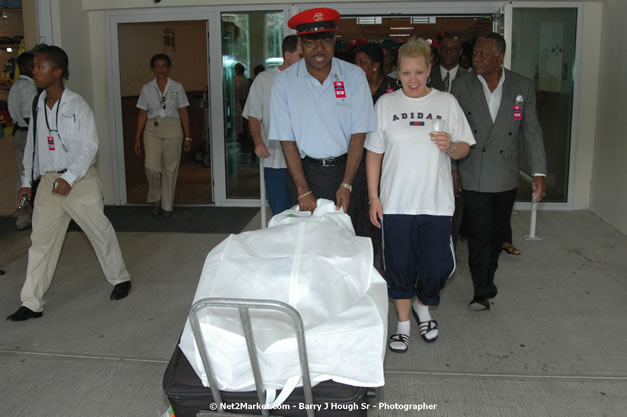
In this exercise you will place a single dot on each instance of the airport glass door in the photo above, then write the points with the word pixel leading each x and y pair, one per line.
pixel 543 47
pixel 250 39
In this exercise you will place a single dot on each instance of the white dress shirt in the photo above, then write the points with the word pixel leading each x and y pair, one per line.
pixel 66 139
pixel 20 99
pixel 451 75
pixel 493 98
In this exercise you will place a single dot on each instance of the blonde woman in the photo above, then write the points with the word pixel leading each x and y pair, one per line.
pixel 415 203
pixel 163 121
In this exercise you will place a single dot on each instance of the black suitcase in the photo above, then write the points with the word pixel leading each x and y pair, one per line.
pixel 190 398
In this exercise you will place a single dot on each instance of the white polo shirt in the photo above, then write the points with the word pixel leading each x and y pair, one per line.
pixel 20 99
pixel 258 106
pixel 151 99
pixel 321 118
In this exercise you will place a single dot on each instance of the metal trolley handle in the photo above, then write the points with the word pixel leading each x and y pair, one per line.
pixel 244 306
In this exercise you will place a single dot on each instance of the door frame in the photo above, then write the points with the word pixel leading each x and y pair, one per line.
pixel 113 19
pixel 569 204
pixel 212 15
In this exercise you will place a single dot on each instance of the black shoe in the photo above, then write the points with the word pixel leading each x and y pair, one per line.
pixel 479 304
pixel 24 313
pixel 121 290
pixel 156 210
pixel 167 213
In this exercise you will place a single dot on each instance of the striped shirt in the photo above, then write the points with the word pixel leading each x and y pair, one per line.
pixel 66 139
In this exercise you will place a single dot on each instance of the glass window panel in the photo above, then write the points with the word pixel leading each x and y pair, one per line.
pixel 249 39
pixel 543 49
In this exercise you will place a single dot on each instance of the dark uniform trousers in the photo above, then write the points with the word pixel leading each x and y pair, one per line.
pixel 325 180
pixel 486 216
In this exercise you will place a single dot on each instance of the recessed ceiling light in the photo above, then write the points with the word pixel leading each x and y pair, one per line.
pixel 399 35
pixel 402 28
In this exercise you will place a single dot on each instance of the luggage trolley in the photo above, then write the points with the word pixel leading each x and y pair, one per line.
pixel 199 398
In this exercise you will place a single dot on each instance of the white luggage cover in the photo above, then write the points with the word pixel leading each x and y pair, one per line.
pixel 316 264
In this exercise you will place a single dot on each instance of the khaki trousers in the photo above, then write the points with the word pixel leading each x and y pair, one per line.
pixel 24 214
pixel 163 145
pixel 51 217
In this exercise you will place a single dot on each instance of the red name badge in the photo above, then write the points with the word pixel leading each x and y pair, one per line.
pixel 517 112
pixel 340 92
pixel 50 143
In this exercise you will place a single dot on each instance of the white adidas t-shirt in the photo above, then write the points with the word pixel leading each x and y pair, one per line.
pixel 416 174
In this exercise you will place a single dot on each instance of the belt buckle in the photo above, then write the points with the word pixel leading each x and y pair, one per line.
pixel 325 162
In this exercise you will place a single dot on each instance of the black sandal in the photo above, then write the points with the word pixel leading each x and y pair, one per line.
pixel 425 327
pixel 511 250
pixel 399 338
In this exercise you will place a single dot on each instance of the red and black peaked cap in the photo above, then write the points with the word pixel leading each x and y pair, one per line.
pixel 316 20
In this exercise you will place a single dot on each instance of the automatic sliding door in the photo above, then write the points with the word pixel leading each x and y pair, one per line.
pixel 543 48
pixel 249 39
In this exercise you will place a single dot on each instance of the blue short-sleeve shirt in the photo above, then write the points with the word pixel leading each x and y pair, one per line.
pixel 321 118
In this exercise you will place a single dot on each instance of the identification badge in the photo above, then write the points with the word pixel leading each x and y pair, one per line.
pixel 162 113
pixel 50 143
pixel 340 92
pixel 517 112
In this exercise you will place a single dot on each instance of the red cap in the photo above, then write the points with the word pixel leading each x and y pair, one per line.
pixel 317 20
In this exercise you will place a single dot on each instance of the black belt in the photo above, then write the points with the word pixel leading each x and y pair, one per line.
pixel 22 128
pixel 61 171
pixel 327 162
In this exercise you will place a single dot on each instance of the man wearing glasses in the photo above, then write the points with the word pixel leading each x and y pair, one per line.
pixel 442 76
pixel 320 110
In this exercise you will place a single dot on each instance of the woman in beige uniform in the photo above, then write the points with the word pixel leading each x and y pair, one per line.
pixel 163 121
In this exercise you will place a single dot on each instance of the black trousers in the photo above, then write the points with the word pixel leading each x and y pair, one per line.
pixel 486 219
pixel 324 182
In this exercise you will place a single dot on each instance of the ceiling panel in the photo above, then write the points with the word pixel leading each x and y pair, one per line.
pixel 467 27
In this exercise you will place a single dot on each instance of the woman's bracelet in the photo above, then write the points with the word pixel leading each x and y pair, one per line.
pixel 189 139
pixel 304 195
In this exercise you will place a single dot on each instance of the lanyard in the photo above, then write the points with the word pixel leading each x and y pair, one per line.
pixel 56 118
pixel 56 123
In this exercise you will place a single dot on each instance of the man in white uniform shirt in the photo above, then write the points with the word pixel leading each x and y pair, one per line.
pixel 321 109
pixel 257 111
pixel 64 147
pixel 20 104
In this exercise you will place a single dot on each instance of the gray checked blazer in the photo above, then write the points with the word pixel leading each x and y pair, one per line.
pixel 493 163
pixel 436 77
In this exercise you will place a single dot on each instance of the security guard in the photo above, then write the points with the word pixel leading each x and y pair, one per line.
pixel 320 110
